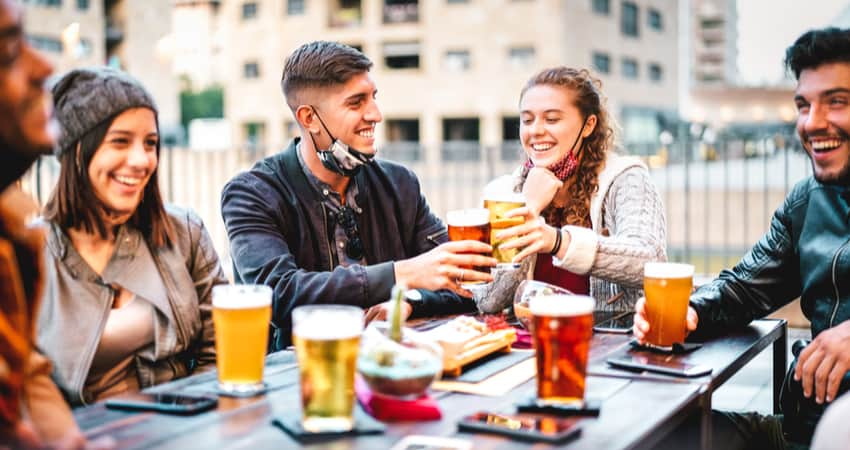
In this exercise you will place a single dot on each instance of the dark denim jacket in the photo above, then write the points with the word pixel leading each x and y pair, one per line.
pixel 279 236
pixel 806 254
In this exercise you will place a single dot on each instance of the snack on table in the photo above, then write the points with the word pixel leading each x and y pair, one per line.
pixel 464 333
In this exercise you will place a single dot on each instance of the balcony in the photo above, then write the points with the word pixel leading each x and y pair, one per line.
pixel 401 11
pixel 461 151
pixel 402 151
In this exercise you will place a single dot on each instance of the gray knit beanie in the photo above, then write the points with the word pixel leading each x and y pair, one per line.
pixel 86 97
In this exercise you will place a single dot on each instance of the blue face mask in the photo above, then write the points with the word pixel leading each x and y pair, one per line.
pixel 339 157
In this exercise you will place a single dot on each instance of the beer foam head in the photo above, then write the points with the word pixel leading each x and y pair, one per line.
pixel 241 296
pixel 468 217
pixel 561 305
pixel 667 270
pixel 504 196
pixel 327 322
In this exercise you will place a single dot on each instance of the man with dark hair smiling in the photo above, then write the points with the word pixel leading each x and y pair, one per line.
pixel 324 222
pixel 805 253
pixel 33 413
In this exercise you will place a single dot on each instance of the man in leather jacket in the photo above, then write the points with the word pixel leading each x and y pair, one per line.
pixel 324 222
pixel 805 253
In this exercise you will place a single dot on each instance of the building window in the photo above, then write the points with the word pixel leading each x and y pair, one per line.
pixel 654 19
pixel 457 1
pixel 48 3
pixel 84 48
pixel 401 11
pixel 345 13
pixel 601 6
pixel 656 73
pixel 82 5
pixel 402 140
pixel 630 68
pixel 251 70
pixel 521 57
pixel 294 7
pixel 457 60
pixel 255 137
pixel 601 62
pixel 511 149
pixel 629 24
pixel 460 139
pixel 45 43
pixel 249 10
pixel 401 55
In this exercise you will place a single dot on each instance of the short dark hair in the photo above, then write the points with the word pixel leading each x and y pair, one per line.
pixel 320 64
pixel 73 203
pixel 816 47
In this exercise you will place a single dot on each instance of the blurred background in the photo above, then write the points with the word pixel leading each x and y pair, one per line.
pixel 698 88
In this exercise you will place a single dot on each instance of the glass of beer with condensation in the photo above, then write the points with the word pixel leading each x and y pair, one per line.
pixel 498 204
pixel 327 339
pixel 563 326
pixel 667 288
pixel 241 316
pixel 470 225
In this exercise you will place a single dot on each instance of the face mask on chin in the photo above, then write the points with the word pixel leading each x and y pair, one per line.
pixel 339 157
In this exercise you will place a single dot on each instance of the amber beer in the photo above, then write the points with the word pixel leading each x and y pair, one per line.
pixel 667 287
pixel 470 225
pixel 563 325
pixel 498 205
pixel 327 338
pixel 241 315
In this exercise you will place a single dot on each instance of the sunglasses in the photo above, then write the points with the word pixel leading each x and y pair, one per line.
pixel 346 219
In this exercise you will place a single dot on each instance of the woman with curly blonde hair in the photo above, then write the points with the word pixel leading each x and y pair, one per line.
pixel 593 218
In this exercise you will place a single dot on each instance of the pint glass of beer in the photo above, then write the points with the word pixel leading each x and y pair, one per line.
pixel 667 287
pixel 241 315
pixel 470 225
pixel 498 205
pixel 563 326
pixel 327 338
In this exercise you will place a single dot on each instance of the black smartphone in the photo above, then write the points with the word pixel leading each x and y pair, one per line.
pixel 554 430
pixel 620 324
pixel 658 362
pixel 165 402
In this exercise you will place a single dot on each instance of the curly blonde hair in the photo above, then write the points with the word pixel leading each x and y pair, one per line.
pixel 589 101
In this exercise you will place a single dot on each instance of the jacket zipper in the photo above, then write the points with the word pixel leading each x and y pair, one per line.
pixel 433 236
pixel 183 333
pixel 92 349
pixel 327 238
pixel 835 283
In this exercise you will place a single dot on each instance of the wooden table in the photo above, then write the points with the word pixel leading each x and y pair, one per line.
pixel 638 409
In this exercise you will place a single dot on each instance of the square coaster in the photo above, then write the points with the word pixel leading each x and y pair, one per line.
pixel 589 407
pixel 363 425
pixel 678 348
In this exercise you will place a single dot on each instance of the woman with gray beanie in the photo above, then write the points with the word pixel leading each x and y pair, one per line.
pixel 129 280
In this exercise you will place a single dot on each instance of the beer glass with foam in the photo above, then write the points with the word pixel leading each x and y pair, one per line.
pixel 469 225
pixel 241 315
pixel 327 338
pixel 667 287
pixel 498 204
pixel 563 326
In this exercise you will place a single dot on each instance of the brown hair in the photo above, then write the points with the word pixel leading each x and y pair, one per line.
pixel 594 148
pixel 73 203
pixel 320 64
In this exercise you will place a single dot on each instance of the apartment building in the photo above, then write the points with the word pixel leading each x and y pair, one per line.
pixel 715 42
pixel 449 72
pixel 127 34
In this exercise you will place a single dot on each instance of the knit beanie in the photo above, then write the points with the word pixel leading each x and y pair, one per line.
pixel 86 97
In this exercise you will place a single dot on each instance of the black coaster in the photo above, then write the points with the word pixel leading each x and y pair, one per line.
pixel 363 425
pixel 589 407
pixel 678 348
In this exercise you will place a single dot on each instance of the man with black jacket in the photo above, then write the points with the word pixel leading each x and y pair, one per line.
pixel 324 222
pixel 805 253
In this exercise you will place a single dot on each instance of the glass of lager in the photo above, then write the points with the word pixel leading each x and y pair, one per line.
pixel 327 338
pixel 563 326
pixel 470 225
pixel 667 287
pixel 498 205
pixel 241 315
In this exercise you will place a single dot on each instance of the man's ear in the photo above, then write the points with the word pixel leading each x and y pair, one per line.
pixel 306 117
pixel 589 126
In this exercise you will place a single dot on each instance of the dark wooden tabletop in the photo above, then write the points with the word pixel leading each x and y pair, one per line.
pixel 638 409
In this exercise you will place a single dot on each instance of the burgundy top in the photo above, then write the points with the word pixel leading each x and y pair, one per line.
pixel 546 272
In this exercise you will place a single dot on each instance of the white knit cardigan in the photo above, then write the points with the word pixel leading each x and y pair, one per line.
pixel 628 230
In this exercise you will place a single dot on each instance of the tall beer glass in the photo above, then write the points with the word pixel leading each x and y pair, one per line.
pixel 498 205
pixel 241 315
pixel 327 338
pixel 563 326
pixel 470 224
pixel 667 287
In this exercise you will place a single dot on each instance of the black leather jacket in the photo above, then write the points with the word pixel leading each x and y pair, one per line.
pixel 280 233
pixel 806 254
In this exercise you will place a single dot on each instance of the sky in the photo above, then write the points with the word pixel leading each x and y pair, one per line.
pixel 767 27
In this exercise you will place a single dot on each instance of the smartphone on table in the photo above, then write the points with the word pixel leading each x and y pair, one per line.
pixel 620 323
pixel 169 403
pixel 553 430
pixel 658 362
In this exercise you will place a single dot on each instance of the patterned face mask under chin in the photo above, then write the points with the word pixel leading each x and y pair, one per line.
pixel 567 166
